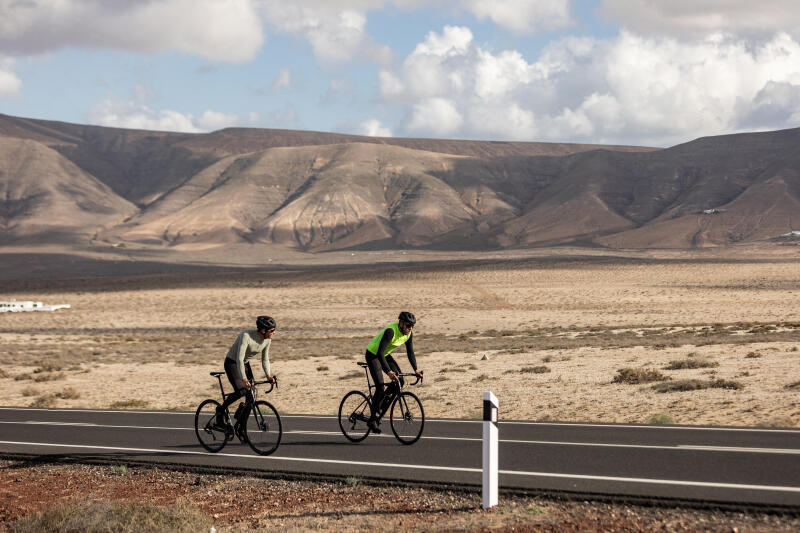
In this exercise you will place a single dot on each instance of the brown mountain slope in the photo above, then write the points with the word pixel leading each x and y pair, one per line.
pixel 310 197
pixel 44 197
pixel 240 185
pixel 142 165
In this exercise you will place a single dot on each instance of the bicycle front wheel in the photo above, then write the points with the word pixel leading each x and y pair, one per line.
pixel 354 412
pixel 263 429
pixel 210 436
pixel 407 418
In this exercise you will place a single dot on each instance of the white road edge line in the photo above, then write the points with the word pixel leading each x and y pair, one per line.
pixel 426 467
pixel 445 420
pixel 694 447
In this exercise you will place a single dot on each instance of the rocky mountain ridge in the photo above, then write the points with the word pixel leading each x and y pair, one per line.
pixel 74 184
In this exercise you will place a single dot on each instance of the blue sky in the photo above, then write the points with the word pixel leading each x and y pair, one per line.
pixel 642 72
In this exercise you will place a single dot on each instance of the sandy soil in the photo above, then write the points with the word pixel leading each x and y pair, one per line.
pixel 548 337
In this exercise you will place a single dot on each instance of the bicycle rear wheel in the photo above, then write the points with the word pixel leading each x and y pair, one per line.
pixel 263 429
pixel 354 412
pixel 407 418
pixel 210 436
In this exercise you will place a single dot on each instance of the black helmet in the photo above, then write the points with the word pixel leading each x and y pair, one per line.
pixel 407 317
pixel 265 322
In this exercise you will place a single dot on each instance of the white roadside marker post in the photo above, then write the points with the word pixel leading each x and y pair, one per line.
pixel 490 464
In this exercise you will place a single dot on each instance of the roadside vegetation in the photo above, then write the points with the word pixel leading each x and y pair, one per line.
pixel 41 498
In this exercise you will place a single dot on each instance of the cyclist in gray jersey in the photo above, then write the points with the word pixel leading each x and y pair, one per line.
pixel 248 344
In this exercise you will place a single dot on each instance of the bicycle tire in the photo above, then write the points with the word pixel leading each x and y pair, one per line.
pixel 407 418
pixel 354 411
pixel 263 430
pixel 210 438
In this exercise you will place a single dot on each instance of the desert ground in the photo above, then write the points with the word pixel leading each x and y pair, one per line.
pixel 678 339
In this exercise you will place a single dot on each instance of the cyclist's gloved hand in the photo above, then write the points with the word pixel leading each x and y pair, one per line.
pixel 392 375
pixel 418 373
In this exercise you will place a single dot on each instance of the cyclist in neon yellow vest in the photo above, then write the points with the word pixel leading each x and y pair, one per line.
pixel 379 359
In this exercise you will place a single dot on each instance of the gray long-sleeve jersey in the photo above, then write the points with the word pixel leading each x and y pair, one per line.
pixel 247 344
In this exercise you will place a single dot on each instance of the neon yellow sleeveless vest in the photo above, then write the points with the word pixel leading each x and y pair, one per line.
pixel 398 339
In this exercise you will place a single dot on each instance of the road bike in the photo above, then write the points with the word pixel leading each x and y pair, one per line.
pixel 406 416
pixel 257 421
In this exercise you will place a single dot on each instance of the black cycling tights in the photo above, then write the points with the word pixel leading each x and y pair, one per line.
pixel 376 371
pixel 232 371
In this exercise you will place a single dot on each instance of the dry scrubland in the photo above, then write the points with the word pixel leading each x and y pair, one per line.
pixel 694 342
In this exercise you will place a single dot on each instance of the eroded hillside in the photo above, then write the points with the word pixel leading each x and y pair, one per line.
pixel 312 191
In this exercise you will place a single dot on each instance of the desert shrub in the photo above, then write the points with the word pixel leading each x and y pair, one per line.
pixel 779 422
pixel 44 401
pixel 48 366
pixel 29 391
pixel 322 368
pixel 793 386
pixel 725 384
pixel 696 384
pixel 660 418
pixel 634 376
pixel 48 376
pixel 3 373
pixel 548 359
pixel 129 404
pixel 68 394
pixel 699 362
pixel 680 385
pixel 352 375
pixel 132 517
pixel 512 351
pixel 22 377
pixel 753 355
pixel 535 369
pixel 482 377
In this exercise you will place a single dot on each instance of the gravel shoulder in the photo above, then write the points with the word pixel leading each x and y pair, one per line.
pixel 242 502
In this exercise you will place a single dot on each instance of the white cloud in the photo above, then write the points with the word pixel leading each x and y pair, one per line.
pixel 9 81
pixel 214 120
pixel 629 89
pixel 373 128
pixel 284 118
pixel 281 82
pixel 523 16
pixel 699 18
pixel 437 116
pixel 335 32
pixel 137 114
pixel 227 30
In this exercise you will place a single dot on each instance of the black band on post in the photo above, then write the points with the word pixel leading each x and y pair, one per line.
pixel 489 412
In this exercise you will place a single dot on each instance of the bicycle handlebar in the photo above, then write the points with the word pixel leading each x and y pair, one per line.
pixel 273 384
pixel 409 374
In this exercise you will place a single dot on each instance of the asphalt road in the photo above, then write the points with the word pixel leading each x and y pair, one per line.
pixel 710 464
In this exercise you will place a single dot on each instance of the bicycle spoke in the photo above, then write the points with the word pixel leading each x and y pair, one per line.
pixel 209 436
pixel 263 429
pixel 354 412
pixel 407 418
